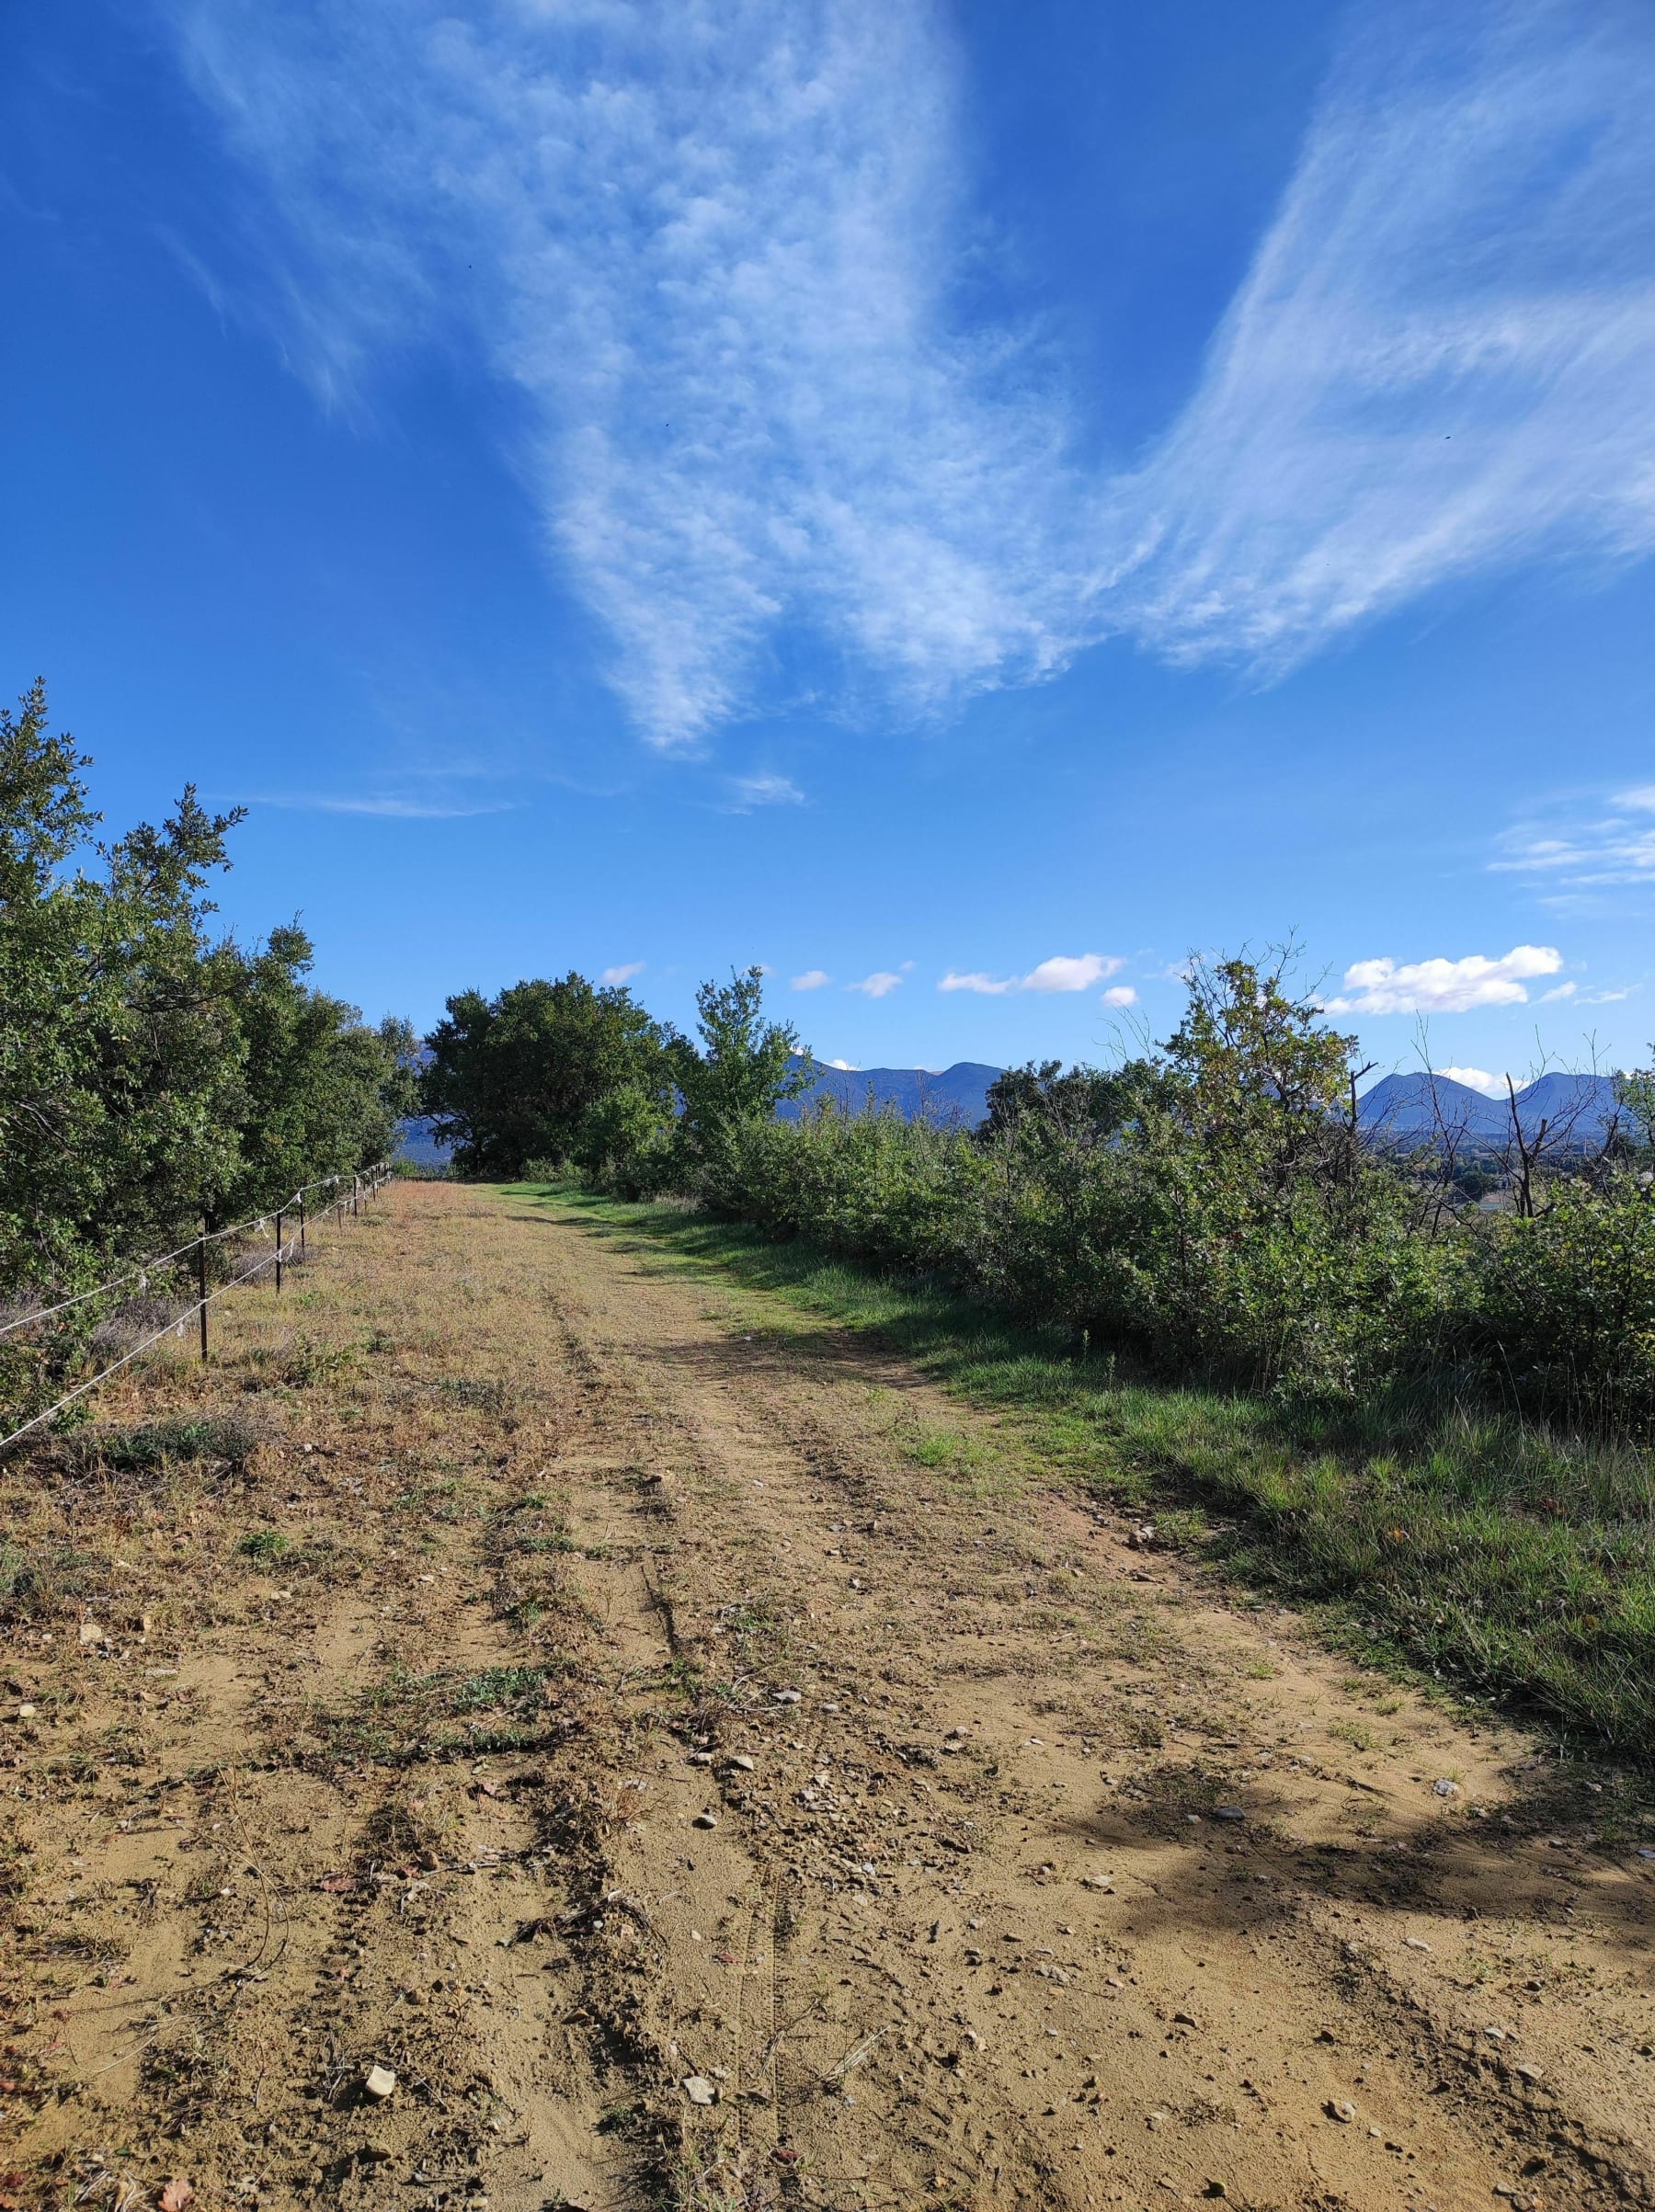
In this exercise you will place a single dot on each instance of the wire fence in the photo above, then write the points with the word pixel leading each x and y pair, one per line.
pixel 290 1223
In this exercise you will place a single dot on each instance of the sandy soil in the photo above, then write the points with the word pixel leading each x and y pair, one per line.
pixel 639 1686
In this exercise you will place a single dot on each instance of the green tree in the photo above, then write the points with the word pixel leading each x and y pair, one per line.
pixel 322 1092
pixel 513 1078
pixel 149 1074
pixel 119 1058
pixel 745 1067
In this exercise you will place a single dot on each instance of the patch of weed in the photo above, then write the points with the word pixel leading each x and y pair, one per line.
pixel 142 1450
pixel 265 1543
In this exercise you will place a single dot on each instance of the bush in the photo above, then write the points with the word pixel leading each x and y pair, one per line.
pixel 1213 1206
pixel 1565 1304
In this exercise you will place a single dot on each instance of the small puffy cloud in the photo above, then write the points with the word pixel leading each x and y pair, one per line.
pixel 1443 986
pixel 1474 1078
pixel 1119 995
pixel 748 792
pixel 991 987
pixel 1071 971
pixel 846 1067
pixel 880 984
pixel 622 972
pixel 1063 972
pixel 812 980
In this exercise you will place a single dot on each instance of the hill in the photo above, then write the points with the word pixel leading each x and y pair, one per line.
pixel 951 1095
pixel 1404 1111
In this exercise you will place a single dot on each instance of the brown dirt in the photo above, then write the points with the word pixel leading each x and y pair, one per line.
pixel 976 1922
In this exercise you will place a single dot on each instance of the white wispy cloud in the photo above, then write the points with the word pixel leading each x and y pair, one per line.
pixel 715 249
pixel 1120 996
pixel 748 792
pixel 1440 358
pixel 622 972
pixel 813 979
pixel 880 984
pixel 391 805
pixel 988 987
pixel 1585 848
pixel 1443 986
pixel 1063 972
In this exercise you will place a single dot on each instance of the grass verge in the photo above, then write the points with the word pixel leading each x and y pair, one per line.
pixel 1518 1562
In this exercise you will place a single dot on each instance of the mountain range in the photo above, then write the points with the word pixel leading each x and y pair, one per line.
pixel 1408 1111
pixel 949 1095
pixel 1400 1111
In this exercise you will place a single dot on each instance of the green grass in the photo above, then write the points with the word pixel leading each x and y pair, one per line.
pixel 1517 1562
pixel 140 1450
pixel 265 1543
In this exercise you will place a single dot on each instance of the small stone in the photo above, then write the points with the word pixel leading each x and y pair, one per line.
pixel 1412 1943
pixel 378 2082
pixel 1531 2072
pixel 706 1821
pixel 28 1713
pixel 90 1632
pixel 741 1760
pixel 790 1697
pixel 1098 1881
pixel 1229 1812
pixel 701 1757
pixel 1445 1788
pixel 1340 2109
pixel 699 2090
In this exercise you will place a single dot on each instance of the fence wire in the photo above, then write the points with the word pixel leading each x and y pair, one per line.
pixel 362 1186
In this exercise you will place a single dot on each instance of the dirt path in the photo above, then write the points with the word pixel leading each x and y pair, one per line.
pixel 650 1688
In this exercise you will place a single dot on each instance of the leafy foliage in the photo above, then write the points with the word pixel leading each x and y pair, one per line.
pixel 514 1078
pixel 1211 1206
pixel 151 1076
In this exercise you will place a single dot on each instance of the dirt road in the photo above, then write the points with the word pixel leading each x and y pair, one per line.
pixel 675 1743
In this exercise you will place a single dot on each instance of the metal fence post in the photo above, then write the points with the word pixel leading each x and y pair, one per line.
pixel 201 1285
pixel 301 1228
pixel 279 1222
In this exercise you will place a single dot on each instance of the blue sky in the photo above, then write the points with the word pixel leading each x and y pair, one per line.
pixel 961 505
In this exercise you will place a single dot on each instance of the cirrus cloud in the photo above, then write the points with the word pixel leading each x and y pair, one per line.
pixel 1443 986
pixel 880 984
pixel 714 251
pixel 813 979
pixel 622 972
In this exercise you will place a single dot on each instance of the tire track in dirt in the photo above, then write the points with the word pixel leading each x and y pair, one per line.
pixel 1320 2000
pixel 270 1815
pixel 577 1555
